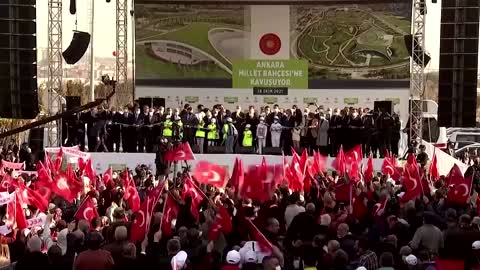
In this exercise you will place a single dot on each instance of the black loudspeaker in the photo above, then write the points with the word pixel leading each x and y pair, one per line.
pixel 73 102
pixel 383 106
pixel 458 67
pixel 77 48
pixel 158 102
pixel 35 140
pixel 145 102
pixel 276 151
pixel 408 39
pixel 18 59
pixel 216 150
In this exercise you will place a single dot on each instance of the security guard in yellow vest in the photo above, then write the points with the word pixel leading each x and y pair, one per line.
pixel 200 135
pixel 212 134
pixel 247 137
pixel 167 128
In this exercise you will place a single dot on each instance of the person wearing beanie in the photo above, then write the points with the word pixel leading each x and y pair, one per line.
pixel 232 261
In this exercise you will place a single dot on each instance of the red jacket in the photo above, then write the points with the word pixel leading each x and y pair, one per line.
pixel 230 267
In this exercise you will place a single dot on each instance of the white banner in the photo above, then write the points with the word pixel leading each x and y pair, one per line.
pixel 36 222
pixel 6 197
pixel 16 174
pixel 54 150
pixel 75 152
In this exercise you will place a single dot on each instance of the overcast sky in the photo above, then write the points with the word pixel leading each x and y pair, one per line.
pixel 104 35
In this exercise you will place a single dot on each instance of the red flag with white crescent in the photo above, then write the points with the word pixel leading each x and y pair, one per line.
pixel 368 173
pixel 141 223
pixel 190 189
pixel 170 213
pixel 107 176
pixel 210 173
pixel 87 211
pixel 238 175
pixel 339 163
pixel 411 182
pixel 180 153
pixel 15 214
pixel 58 160
pixel 459 186
pixel 433 171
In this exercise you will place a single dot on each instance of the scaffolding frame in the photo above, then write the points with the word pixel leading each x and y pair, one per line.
pixel 54 71
pixel 417 73
pixel 121 65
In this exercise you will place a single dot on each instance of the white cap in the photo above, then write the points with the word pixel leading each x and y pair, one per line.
pixel 411 260
pixel 250 257
pixel 361 268
pixel 476 245
pixel 213 120
pixel 229 119
pixel 178 261
pixel 247 126
pixel 262 118
pixel 233 257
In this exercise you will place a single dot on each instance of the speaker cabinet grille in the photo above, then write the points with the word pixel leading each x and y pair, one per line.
pixel 18 59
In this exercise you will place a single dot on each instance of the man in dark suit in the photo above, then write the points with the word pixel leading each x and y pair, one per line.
pixel 92 133
pixel 127 120
pixel 139 118
pixel 189 124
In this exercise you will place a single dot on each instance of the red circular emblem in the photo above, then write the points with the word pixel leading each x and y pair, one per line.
pixel 270 44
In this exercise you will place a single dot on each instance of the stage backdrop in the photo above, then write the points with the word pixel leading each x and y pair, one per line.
pixel 270 48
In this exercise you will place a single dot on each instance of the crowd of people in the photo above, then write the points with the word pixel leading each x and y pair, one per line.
pixel 136 129
pixel 315 228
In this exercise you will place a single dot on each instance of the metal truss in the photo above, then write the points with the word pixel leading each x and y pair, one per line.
pixel 417 74
pixel 55 70
pixel 121 69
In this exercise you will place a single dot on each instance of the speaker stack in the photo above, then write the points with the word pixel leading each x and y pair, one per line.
pixel 18 59
pixel 457 90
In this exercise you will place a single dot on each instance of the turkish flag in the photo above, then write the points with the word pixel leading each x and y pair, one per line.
pixel 90 173
pixel 58 160
pixel 107 176
pixel 210 173
pixel 339 163
pixel 379 208
pixel 368 173
pixel 296 174
pixel 50 166
pixel 222 223
pixel 388 167
pixel 141 223
pixel 433 170
pixel 260 181
pixel 354 154
pixel 87 211
pixel 32 197
pixel 70 173
pixel 238 175
pixel 8 183
pixel 190 189
pixel 16 214
pixel 61 187
pixel 411 182
pixel 181 152
pixel 257 235
pixel 354 173
pixel 131 193
pixel 170 213
pixel 459 187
